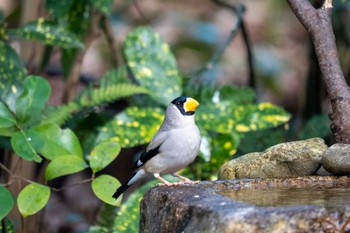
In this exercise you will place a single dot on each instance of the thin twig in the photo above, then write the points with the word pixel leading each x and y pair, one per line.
pixel 239 10
pixel 108 32
pixel 34 47
pixel 15 177
pixel 250 57
pixel 139 10
pixel 3 167
pixel 71 185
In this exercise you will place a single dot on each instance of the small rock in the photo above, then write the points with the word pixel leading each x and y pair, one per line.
pixel 336 159
pixel 299 158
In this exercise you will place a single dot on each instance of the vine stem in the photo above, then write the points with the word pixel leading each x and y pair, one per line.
pixel 15 177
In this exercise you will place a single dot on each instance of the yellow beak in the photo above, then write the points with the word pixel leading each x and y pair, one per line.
pixel 190 105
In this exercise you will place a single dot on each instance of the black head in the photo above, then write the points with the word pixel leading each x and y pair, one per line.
pixel 186 105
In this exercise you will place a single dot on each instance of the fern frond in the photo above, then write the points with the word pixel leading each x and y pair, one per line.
pixel 112 86
pixel 93 97
pixel 59 114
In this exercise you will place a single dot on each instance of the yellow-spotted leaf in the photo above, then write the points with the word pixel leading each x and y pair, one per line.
pixel 256 117
pixel 6 203
pixel 215 117
pixel 152 64
pixel 49 33
pixel 103 154
pixel 64 165
pixel 134 126
pixel 129 214
pixel 223 147
pixel 104 187
pixel 33 198
pixel 227 118
pixel 12 74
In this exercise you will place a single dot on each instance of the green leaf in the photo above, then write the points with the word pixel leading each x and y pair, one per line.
pixel 104 187
pixel 33 198
pixel 79 18
pixel 32 100
pixel 58 142
pixel 48 33
pixel 134 126
pixel 6 117
pixel 98 229
pixel 105 6
pixel 26 143
pixel 64 165
pixel 226 94
pixel 12 73
pixel 67 60
pixel 6 203
pixel 261 140
pixel 59 9
pixel 236 94
pixel 152 64
pixel 103 154
pixel 316 126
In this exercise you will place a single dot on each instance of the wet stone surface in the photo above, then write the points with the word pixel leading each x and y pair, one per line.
pixel 250 205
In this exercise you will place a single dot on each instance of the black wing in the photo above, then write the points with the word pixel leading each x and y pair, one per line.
pixel 145 156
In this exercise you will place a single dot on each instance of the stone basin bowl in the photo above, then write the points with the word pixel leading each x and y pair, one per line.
pixel 302 204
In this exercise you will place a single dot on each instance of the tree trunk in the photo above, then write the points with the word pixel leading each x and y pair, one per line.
pixel 318 23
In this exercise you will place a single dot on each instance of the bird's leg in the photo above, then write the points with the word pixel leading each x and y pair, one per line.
pixel 186 180
pixel 156 175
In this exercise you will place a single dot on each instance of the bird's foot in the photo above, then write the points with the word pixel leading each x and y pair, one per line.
pixel 185 180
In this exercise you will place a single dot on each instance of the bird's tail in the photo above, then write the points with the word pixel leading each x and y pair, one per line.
pixel 133 179
pixel 120 190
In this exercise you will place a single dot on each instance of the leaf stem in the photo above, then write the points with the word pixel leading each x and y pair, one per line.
pixel 71 185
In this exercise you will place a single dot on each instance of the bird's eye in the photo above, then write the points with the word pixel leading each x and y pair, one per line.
pixel 178 103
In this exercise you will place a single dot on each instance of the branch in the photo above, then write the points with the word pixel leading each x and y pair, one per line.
pixel 240 24
pixel 318 23
pixel 138 9
pixel 14 177
pixel 73 77
pixel 71 185
pixel 107 30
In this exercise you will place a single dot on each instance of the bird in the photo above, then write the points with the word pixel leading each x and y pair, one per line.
pixel 174 146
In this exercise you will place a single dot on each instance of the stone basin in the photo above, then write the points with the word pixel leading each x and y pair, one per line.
pixel 302 204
